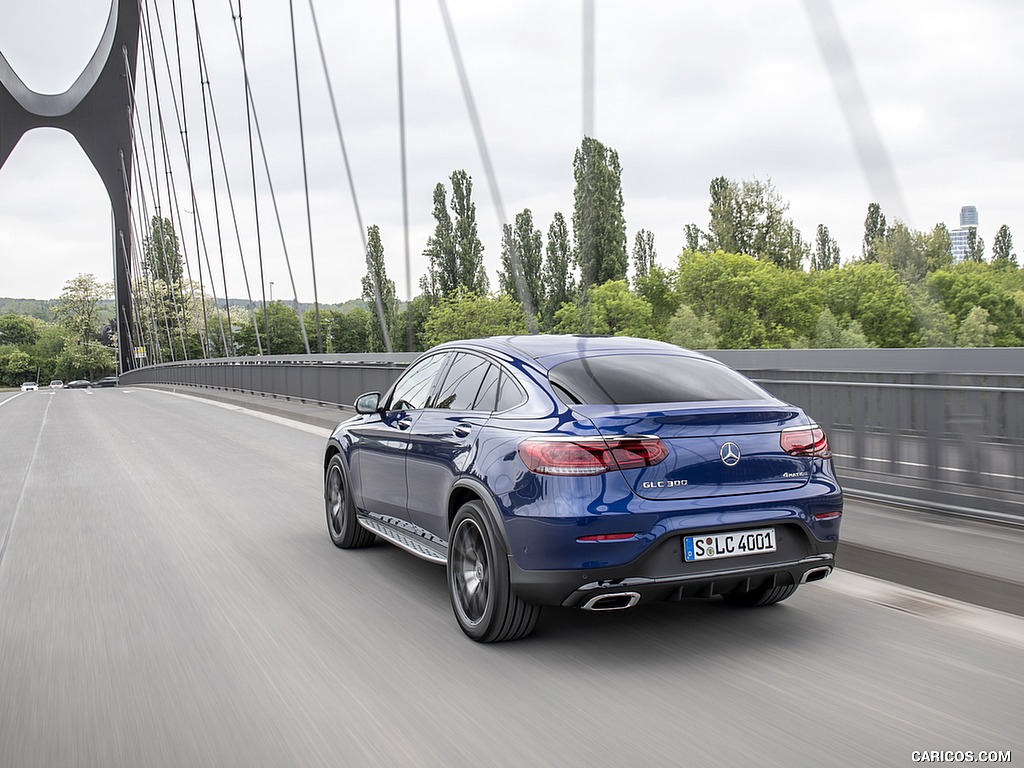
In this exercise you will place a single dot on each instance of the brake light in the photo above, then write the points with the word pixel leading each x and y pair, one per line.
pixel 806 441
pixel 583 456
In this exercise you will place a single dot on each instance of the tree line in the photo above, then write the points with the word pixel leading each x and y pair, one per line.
pixel 746 279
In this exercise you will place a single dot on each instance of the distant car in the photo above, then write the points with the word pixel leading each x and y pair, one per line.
pixel 599 473
pixel 29 386
pixel 56 384
pixel 106 381
pixel 78 384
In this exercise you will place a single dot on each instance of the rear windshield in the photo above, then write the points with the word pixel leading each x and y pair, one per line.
pixel 633 379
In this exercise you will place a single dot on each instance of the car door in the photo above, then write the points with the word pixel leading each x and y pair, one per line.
pixel 442 439
pixel 382 440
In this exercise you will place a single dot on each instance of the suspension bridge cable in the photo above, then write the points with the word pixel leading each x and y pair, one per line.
pixel 234 216
pixel 204 82
pixel 183 131
pixel 171 277
pixel 140 149
pixel 467 93
pixel 172 191
pixel 385 331
pixel 305 177
pixel 273 198
pixel 154 339
pixel 252 172
pixel 410 341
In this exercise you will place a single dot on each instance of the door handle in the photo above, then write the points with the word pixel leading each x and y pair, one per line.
pixel 462 430
pixel 404 423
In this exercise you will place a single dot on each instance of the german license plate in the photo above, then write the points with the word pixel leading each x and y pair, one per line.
pixel 712 546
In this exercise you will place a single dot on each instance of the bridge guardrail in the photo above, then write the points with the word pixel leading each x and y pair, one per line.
pixel 927 428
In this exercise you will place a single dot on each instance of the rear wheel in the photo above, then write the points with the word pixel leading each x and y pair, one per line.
pixel 759 597
pixel 485 606
pixel 345 530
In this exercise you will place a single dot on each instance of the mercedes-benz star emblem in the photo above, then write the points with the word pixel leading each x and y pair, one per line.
pixel 730 454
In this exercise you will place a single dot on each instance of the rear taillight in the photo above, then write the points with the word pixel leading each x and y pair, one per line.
pixel 806 441
pixel 590 455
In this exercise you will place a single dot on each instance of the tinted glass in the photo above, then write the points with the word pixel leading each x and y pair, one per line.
pixel 413 388
pixel 510 395
pixel 461 383
pixel 487 397
pixel 627 379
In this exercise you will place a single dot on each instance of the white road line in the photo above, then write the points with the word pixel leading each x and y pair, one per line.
pixel 301 425
pixel 941 610
pixel 24 484
pixel 16 394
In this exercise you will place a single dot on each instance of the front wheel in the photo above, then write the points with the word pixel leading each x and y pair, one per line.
pixel 485 606
pixel 345 530
pixel 759 597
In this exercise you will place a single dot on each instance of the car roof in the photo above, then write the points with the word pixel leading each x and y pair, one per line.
pixel 548 350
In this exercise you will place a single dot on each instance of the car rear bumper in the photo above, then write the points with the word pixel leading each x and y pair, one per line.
pixel 642 584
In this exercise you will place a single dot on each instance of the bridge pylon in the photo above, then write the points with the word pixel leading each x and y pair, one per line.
pixel 97 110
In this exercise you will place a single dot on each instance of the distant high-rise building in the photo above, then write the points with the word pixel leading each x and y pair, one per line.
pixel 958 237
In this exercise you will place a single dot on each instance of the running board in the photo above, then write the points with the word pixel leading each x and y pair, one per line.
pixel 407 540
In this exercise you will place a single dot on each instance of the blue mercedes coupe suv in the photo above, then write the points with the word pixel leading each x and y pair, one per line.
pixel 595 472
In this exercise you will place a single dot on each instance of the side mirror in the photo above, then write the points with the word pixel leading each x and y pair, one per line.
pixel 368 403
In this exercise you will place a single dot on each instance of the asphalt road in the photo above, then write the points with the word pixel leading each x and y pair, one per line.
pixel 169 596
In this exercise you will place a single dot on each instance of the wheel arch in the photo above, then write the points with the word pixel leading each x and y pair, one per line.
pixel 471 489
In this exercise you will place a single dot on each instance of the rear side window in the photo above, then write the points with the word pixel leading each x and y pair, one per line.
pixel 462 383
pixel 510 395
pixel 635 379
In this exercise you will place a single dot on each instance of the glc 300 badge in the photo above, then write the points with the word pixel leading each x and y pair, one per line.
pixel 730 454
pixel 664 484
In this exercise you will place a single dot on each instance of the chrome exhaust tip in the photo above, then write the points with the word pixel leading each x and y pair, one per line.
pixel 816 574
pixel 614 601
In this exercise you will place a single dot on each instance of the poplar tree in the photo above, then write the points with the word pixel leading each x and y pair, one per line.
pixel 826 250
pixel 377 273
pixel 874 232
pixel 526 241
pixel 559 283
pixel 598 223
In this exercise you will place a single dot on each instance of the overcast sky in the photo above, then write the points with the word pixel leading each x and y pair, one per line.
pixel 685 91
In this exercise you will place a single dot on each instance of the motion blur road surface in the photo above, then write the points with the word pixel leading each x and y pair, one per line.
pixel 169 597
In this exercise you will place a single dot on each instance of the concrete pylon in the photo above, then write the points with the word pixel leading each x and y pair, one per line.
pixel 97 111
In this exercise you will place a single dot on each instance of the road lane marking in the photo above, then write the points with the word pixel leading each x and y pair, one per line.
pixel 936 608
pixel 16 394
pixel 24 485
pixel 283 421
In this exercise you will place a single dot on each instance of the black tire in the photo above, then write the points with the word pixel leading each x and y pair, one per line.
pixel 759 597
pixel 485 606
pixel 345 530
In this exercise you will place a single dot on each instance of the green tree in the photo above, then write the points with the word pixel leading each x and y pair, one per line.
pixel 658 289
pixel 598 223
pixel 875 296
pixel 16 366
pixel 829 334
pixel 377 275
pixel 687 329
pixel 874 232
pixel 936 246
pixel 77 361
pixel 78 308
pixel 935 326
pixel 754 303
pixel 1002 248
pixel 528 243
pixel 900 250
pixel 617 311
pixel 442 278
pixel 284 333
pixel 468 248
pixel 568 318
pixel 976 330
pixel 348 331
pixel 559 283
pixel 975 250
pixel 17 330
pixel 969 284
pixel 161 253
pixel 644 255
pixel 826 250
pixel 470 316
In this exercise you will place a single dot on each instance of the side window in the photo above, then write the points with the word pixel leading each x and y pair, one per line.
pixel 487 397
pixel 510 395
pixel 461 383
pixel 413 388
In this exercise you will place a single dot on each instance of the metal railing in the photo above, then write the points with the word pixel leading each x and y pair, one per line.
pixel 941 429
